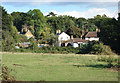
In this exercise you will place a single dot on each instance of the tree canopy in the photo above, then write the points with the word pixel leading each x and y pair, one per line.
pixel 43 27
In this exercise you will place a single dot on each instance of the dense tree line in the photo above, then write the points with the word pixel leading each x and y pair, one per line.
pixel 44 27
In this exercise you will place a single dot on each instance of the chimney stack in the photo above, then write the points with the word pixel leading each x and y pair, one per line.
pixel 58 31
pixel 86 30
pixel 96 30
pixel 81 37
pixel 82 32
pixel 71 36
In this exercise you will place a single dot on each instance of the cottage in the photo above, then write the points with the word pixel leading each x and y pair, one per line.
pixel 25 31
pixel 28 34
pixel 91 36
pixel 65 40
pixel 63 37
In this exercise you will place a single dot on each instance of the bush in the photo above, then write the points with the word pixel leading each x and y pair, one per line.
pixel 62 50
pixel 6 74
pixel 85 48
pixel 34 46
pixel 107 50
pixel 99 48
pixel 109 59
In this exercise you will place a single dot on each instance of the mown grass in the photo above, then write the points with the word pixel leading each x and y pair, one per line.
pixel 36 67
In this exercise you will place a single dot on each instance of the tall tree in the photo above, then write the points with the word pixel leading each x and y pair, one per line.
pixel 51 14
pixel 43 35
pixel 38 21
pixel 76 32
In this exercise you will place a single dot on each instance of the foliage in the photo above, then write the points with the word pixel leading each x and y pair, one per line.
pixel 85 48
pixel 95 47
pixel 110 33
pixel 99 48
pixel 76 32
pixel 14 33
pixel 7 41
pixel 58 50
pixel 51 14
pixel 52 39
pixel 17 20
pixel 37 22
pixel 44 34
pixel 36 14
pixel 6 20
pixel 6 76
pixel 34 46
pixel 9 32
pixel 31 40
pixel 23 38
pixel 42 26
pixel 109 59
pixel 48 49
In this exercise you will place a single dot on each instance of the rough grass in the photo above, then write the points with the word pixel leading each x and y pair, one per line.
pixel 64 67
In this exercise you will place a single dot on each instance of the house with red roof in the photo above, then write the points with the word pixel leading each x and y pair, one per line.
pixel 66 40
pixel 91 36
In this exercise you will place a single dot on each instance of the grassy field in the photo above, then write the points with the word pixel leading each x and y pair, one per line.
pixel 64 67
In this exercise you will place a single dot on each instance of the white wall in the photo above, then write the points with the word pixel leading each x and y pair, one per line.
pixel 75 45
pixel 92 38
pixel 63 37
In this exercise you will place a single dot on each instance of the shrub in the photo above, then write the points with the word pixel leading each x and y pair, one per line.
pixel 6 74
pixel 107 50
pixel 34 46
pixel 99 48
pixel 108 58
pixel 51 49
pixel 85 48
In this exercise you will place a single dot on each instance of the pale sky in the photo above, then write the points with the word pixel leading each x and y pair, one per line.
pixel 76 8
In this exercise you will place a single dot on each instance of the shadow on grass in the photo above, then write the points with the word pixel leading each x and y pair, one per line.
pixel 94 66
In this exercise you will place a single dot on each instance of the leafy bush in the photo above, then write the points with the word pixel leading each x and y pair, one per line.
pixel 6 74
pixel 107 50
pixel 49 49
pixel 108 58
pixel 34 46
pixel 99 48
pixel 85 48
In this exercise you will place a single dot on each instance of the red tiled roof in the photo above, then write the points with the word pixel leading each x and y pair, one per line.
pixel 79 40
pixel 91 34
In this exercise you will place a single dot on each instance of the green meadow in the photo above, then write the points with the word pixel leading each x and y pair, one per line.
pixel 57 67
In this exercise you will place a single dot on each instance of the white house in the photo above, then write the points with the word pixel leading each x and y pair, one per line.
pixel 63 37
pixel 91 36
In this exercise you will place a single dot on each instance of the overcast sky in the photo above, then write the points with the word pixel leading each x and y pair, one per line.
pixel 76 8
